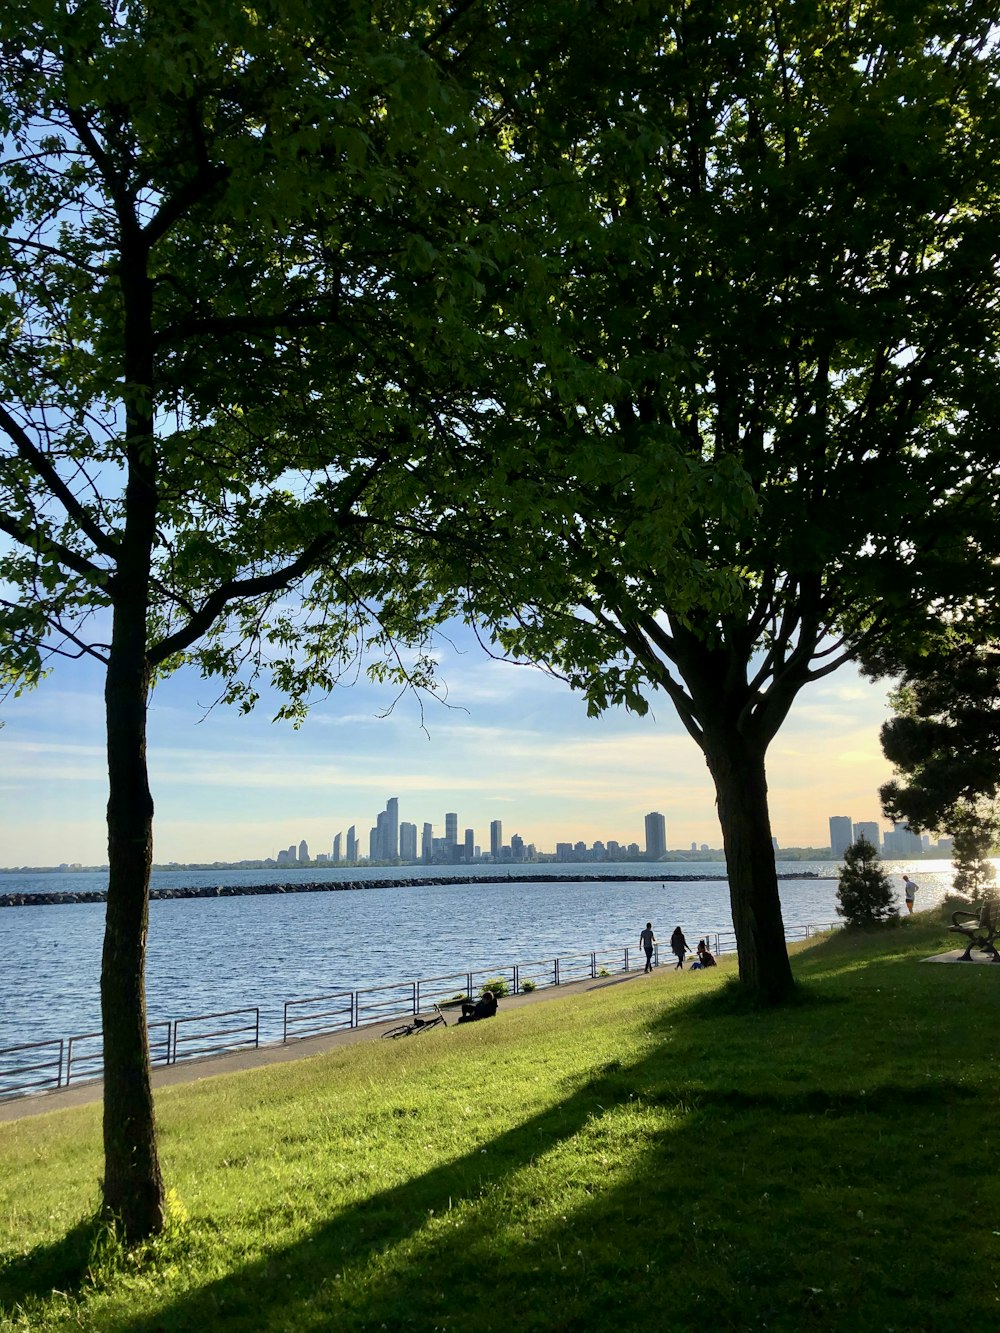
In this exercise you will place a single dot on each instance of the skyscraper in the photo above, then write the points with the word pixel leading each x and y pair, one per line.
pixel 451 829
pixel 427 843
pixel 303 850
pixel 390 844
pixel 841 832
pixel 496 838
pixel 336 847
pixel 870 831
pixel 470 845
pixel 656 835
pixel 352 845
pixel 407 841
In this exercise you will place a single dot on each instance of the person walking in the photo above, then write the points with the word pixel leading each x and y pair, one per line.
pixel 909 892
pixel 646 941
pixel 680 947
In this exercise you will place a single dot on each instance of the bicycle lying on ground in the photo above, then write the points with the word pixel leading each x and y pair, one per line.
pixel 416 1025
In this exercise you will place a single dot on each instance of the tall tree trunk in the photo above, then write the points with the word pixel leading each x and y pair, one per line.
pixel 133 1185
pixel 737 766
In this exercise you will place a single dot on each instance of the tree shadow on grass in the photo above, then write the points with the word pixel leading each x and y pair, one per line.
pixel 60 1266
pixel 749 1185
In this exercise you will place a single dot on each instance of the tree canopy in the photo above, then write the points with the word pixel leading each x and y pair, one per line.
pixel 240 298
pixel 765 380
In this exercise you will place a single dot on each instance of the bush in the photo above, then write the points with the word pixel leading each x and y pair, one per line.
pixel 498 985
pixel 865 896
pixel 528 986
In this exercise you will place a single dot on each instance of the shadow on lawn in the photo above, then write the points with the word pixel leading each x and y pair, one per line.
pixel 61 1266
pixel 610 1261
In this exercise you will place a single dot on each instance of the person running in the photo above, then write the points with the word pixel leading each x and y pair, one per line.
pixel 680 946
pixel 909 892
pixel 647 940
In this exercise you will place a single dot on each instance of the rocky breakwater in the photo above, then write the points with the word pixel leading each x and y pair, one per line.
pixel 347 886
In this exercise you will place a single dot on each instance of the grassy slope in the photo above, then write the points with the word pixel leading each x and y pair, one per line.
pixel 642 1155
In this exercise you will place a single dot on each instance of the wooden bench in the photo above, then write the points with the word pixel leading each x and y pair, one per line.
pixel 982 929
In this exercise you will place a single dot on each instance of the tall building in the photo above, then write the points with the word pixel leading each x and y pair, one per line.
pixel 901 842
pixel 870 831
pixel 336 847
pixel 390 843
pixel 517 847
pixel 841 831
pixel 496 838
pixel 427 843
pixel 656 835
pixel 470 845
pixel 352 845
pixel 451 829
pixel 407 841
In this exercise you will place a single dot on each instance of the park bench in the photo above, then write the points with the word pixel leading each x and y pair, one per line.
pixel 982 929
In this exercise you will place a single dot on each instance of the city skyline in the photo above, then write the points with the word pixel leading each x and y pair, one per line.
pixel 510 743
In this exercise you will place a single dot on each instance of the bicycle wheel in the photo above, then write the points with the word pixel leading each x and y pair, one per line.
pixel 403 1031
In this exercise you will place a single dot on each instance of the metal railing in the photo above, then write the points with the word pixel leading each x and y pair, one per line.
pixel 85 1052
pixel 231 1037
pixel 24 1069
pixel 302 1018
pixel 39 1066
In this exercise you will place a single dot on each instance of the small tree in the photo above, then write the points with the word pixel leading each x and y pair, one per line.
pixel 974 831
pixel 864 894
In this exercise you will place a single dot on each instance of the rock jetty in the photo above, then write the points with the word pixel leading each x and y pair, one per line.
pixel 347 886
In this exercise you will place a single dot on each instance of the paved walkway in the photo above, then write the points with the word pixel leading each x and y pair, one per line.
pixel 187 1071
pixel 955 956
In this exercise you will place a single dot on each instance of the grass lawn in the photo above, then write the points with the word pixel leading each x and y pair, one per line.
pixel 645 1155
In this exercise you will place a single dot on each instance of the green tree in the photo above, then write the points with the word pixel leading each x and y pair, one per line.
pixel 238 273
pixel 766 375
pixel 944 742
pixel 974 833
pixel 864 893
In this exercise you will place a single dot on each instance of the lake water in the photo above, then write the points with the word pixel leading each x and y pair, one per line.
pixel 210 954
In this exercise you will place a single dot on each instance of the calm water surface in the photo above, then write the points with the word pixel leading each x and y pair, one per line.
pixel 208 954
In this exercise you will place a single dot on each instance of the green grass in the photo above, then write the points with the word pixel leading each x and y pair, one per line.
pixel 644 1155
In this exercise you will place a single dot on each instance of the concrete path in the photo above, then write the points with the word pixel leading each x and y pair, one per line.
pixel 955 956
pixel 210 1066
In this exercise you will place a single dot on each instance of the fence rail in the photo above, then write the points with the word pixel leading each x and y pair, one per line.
pixel 43 1066
pixel 25 1068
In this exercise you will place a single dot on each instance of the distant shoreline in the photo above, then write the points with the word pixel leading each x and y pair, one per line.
pixel 394 882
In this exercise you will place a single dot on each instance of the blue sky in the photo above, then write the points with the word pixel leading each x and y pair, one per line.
pixel 513 745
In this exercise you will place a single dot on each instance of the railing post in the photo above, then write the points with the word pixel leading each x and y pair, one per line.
pixel 555 970
pixel 256 1029
pixel 626 957
pixel 172 1043
pixel 515 978
pixel 59 1071
pixel 593 967
pixel 468 985
pixel 414 992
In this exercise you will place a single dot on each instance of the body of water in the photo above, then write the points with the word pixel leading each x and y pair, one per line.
pixel 209 954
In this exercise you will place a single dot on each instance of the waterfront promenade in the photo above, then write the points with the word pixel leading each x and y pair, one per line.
pixel 233 1062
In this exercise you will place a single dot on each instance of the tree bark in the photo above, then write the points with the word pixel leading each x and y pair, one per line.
pixel 133 1185
pixel 737 767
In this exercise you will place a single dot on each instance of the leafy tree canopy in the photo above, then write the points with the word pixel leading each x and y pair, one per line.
pixel 762 394
pixel 243 253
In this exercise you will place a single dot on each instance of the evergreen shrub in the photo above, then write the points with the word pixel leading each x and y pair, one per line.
pixel 865 895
